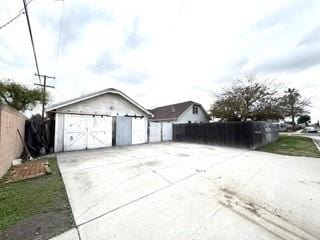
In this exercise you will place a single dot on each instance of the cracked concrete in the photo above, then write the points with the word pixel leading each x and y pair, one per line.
pixel 191 191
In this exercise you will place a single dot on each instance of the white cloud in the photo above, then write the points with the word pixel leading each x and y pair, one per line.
pixel 161 52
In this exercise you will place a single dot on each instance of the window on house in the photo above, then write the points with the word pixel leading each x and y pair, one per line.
pixel 195 109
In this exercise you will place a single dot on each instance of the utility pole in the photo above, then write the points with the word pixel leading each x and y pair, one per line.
pixel 31 38
pixel 291 99
pixel 44 86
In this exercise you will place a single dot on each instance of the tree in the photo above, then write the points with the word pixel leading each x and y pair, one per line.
pixel 248 98
pixel 20 97
pixel 294 105
pixel 304 119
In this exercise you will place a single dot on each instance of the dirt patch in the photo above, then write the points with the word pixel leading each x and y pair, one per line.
pixel 264 216
pixel 134 166
pixel 140 165
pixel 252 208
pixel 183 155
pixel 40 227
pixel 228 191
pixel 27 170
pixel 311 183
pixel 227 196
pixel 151 163
pixel 316 182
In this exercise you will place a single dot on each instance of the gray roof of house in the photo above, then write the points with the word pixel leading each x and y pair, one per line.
pixel 172 111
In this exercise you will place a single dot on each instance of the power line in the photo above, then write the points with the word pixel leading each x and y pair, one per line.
pixel 21 12
pixel 14 29
pixel 10 21
pixel 59 36
pixel 44 14
pixel 31 37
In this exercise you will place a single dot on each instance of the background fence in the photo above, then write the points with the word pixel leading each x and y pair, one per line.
pixel 238 134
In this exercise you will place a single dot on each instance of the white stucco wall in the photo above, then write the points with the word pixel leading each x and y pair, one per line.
pixel 188 115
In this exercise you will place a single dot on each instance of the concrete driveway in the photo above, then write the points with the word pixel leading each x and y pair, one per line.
pixel 191 191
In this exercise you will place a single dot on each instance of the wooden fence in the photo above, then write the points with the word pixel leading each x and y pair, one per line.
pixel 237 134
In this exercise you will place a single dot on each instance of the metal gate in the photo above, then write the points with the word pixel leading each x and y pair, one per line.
pixel 160 131
pixel 87 132
pixel 123 131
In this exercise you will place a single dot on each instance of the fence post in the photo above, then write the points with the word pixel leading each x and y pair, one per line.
pixel 148 132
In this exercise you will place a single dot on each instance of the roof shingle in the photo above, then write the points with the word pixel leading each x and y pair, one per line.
pixel 172 111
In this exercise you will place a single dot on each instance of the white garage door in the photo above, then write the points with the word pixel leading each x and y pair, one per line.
pixel 166 131
pixel 87 132
pixel 139 130
pixel 99 132
pixel 155 132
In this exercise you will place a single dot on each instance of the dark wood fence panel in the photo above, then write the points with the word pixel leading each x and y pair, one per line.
pixel 264 133
pixel 238 134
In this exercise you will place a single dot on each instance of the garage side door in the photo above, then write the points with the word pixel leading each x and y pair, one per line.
pixel 166 131
pixel 155 132
pixel 75 132
pixel 123 131
pixel 99 132
pixel 139 130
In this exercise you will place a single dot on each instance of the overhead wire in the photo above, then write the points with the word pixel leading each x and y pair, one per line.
pixel 31 38
pixel 21 12
pixel 13 27
pixel 44 13
pixel 25 11
pixel 58 47
pixel 59 37
pixel 11 20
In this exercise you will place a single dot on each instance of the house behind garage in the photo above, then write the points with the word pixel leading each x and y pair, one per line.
pixel 185 112
pixel 97 120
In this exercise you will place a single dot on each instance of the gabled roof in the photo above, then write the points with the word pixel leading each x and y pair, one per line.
pixel 96 94
pixel 172 111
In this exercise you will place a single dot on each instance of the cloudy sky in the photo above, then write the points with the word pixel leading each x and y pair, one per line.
pixel 162 52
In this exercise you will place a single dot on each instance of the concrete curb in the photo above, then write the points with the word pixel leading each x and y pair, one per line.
pixel 316 143
pixel 71 234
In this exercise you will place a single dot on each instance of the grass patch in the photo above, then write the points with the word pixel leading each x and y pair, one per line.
pixel 292 145
pixel 27 198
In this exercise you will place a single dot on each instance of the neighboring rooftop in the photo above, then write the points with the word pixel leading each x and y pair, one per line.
pixel 172 111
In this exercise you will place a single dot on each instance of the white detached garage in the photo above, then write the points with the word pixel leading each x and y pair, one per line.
pixel 102 119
